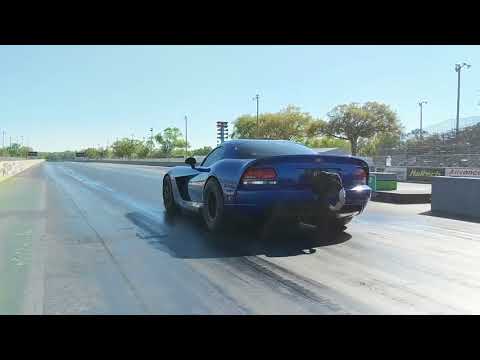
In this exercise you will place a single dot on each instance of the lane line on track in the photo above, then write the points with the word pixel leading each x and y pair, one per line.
pixel 110 254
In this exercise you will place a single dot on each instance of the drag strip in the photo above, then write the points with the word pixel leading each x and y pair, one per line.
pixel 108 248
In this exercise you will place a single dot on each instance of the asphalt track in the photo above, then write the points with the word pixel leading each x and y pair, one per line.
pixel 78 238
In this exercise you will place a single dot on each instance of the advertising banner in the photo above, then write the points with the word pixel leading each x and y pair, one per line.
pixel 463 172
pixel 423 173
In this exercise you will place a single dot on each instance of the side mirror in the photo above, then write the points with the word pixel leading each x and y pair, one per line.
pixel 191 161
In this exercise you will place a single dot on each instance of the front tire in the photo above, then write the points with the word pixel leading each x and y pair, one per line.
pixel 168 199
pixel 213 211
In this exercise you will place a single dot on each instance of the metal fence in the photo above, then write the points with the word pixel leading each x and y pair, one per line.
pixel 440 146
pixel 452 160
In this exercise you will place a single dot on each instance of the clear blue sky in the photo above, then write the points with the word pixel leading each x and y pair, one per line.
pixel 72 97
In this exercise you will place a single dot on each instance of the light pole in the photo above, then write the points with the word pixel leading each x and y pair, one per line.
pixel 151 143
pixel 458 69
pixel 3 142
pixel 421 113
pixel 186 137
pixel 257 97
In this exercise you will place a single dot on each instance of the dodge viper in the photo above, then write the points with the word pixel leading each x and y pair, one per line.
pixel 269 178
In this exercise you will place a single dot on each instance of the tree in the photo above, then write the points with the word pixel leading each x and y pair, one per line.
pixel 16 150
pixel 327 142
pixel 356 121
pixel 59 156
pixel 287 124
pixel 379 144
pixel 202 151
pixel 171 139
pixel 417 134
pixel 141 150
pixel 124 147
pixel 150 143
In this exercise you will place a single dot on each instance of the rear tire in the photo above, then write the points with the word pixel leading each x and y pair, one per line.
pixel 168 199
pixel 213 211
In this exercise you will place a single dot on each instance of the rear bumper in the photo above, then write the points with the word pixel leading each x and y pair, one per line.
pixel 295 202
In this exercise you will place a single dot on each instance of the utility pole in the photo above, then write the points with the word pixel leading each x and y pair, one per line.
pixel 257 97
pixel 186 137
pixel 458 69
pixel 421 111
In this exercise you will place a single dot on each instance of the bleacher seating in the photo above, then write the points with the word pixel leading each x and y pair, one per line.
pixel 437 150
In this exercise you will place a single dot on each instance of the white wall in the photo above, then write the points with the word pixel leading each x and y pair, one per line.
pixel 14 167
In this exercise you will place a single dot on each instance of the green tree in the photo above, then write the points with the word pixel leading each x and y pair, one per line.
pixel 287 124
pixel 417 134
pixel 16 150
pixel 380 143
pixel 202 151
pixel 91 153
pixel 124 148
pixel 170 140
pixel 178 152
pixel 357 121
pixel 58 156
pixel 141 150
pixel 327 142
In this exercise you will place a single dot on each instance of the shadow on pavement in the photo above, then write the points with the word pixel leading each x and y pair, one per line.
pixel 185 236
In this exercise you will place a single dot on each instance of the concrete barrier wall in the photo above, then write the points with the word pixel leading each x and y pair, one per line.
pixel 458 196
pixel 13 167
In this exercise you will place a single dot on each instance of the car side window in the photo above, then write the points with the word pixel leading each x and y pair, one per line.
pixel 213 157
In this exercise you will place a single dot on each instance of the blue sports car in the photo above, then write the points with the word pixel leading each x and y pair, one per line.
pixel 259 179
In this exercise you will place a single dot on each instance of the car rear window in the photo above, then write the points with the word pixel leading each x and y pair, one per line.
pixel 255 150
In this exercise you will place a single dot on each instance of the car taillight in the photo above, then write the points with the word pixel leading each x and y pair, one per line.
pixel 359 177
pixel 259 176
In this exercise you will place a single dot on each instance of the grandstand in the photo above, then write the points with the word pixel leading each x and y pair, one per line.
pixel 440 147
pixel 450 125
